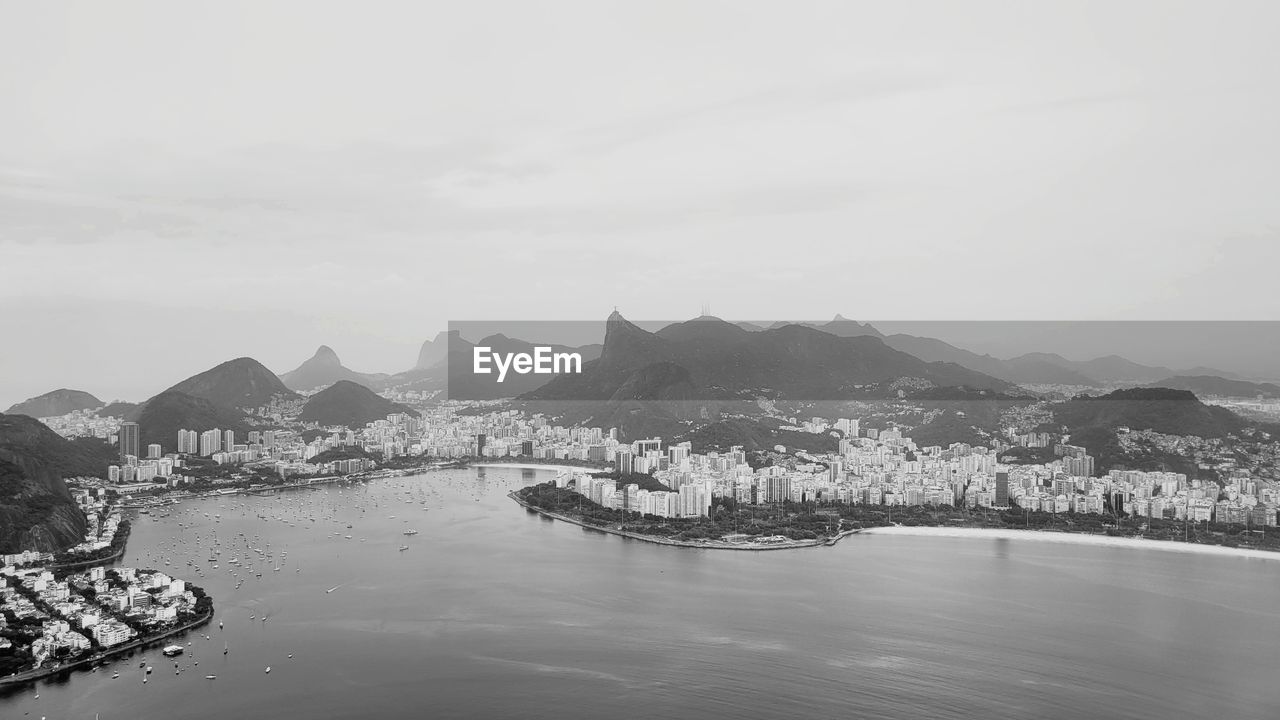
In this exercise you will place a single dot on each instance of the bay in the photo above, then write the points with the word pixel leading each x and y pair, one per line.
pixel 495 612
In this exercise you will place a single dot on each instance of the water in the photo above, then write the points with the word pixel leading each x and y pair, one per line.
pixel 496 613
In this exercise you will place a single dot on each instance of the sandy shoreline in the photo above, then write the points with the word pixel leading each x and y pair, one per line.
pixel 1073 538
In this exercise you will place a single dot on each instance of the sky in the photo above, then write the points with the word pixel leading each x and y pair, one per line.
pixel 181 184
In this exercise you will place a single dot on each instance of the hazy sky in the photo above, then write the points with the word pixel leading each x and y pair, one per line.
pixel 183 183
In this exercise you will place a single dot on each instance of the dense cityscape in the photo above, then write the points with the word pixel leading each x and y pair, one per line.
pixel 871 467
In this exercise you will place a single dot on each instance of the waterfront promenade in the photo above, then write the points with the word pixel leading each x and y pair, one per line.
pixel 33 675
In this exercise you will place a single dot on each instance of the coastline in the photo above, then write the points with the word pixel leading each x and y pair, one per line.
pixel 1072 538
pixel 536 466
pixel 703 545
pixel 39 673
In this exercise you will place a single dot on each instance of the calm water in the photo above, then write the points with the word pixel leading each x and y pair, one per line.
pixel 496 613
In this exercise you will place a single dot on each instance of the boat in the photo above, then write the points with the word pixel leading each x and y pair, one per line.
pixel 403 548
pixel 268 669
pixel 410 532
pixel 210 677
pixel 171 650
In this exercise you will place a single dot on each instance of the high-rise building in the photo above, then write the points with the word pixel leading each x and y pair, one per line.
pixel 210 442
pixel 228 440
pixel 154 451
pixel 129 438
pixel 1002 489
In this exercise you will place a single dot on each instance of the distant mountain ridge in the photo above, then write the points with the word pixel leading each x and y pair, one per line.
pixel 324 368
pixel 55 402
pixel 1211 385
pixel 709 358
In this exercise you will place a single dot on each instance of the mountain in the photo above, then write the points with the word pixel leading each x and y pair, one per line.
pixel 350 404
pixel 841 326
pixel 1210 385
pixel 452 352
pixel 160 418
pixel 324 368
pixel 434 350
pixel 1115 369
pixel 1092 423
pixel 121 409
pixel 1164 410
pixel 1103 370
pixel 1045 369
pixel 56 402
pixel 465 384
pixel 36 509
pixel 933 350
pixel 708 358
pixel 240 383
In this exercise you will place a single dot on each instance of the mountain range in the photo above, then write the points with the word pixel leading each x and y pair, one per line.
pixel 708 358
pixel 1212 385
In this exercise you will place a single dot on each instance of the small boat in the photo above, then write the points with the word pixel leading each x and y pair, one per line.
pixel 115 675
pixel 403 548
pixel 268 669
pixel 210 677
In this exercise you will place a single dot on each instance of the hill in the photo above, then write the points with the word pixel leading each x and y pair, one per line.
pixel 349 404
pixel 756 436
pixel 160 418
pixel 240 383
pixel 36 509
pixel 55 402
pixel 710 359
pixel 1173 412
pixel 323 369
pixel 121 409
pixel 1211 385
pixel 1092 423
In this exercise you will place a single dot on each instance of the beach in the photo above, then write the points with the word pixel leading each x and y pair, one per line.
pixel 1073 538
